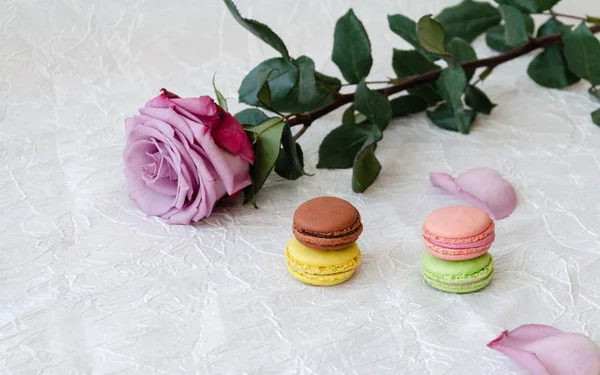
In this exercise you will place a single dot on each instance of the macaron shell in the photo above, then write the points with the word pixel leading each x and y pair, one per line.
pixel 321 280
pixel 454 270
pixel 458 222
pixel 456 254
pixel 325 215
pixel 329 241
pixel 459 289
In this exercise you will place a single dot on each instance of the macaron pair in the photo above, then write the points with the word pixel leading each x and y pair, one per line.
pixel 324 250
pixel 457 240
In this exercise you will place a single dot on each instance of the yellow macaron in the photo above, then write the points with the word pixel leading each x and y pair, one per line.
pixel 321 267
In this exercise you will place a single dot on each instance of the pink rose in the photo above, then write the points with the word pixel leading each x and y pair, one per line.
pixel 183 155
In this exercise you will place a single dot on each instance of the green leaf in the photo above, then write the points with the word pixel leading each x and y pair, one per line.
pixel 478 100
pixel 220 98
pixel 515 31
pixel 463 52
pixel 552 26
pixel 264 91
pixel 469 19
pixel 285 87
pixel 352 48
pixel 582 51
pixel 366 168
pixel 263 32
pixel 375 106
pixel 307 86
pixel 251 116
pixel 340 147
pixel 281 81
pixel 290 162
pixel 406 28
pixel 452 84
pixel 409 63
pixel 495 37
pixel 596 117
pixel 530 6
pixel 291 103
pixel 267 141
pixel 407 105
pixel 590 19
pixel 549 69
pixel 284 166
pixel 445 118
pixel 432 36
pixel 331 82
pixel 594 92
pixel 348 116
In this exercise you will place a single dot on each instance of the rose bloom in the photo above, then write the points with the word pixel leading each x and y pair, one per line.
pixel 183 155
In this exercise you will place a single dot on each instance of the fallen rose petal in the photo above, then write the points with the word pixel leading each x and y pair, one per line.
pixel 544 350
pixel 481 187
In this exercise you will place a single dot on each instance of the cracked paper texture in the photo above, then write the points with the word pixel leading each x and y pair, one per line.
pixel 90 285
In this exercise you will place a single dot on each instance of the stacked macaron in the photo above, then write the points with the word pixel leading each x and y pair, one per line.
pixel 323 250
pixel 457 240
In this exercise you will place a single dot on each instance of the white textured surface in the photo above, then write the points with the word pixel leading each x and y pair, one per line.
pixel 88 284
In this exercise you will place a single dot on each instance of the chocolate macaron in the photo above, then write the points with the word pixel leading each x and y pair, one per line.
pixel 327 223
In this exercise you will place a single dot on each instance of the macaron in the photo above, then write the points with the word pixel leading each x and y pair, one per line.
pixel 327 223
pixel 458 233
pixel 319 267
pixel 462 276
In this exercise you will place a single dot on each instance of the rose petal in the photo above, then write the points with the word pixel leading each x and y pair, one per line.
pixel 545 350
pixel 481 187
pixel 150 201
pixel 203 108
pixel 168 94
pixel 232 170
pixel 169 116
pixel 229 134
pixel 210 191
pixel 173 157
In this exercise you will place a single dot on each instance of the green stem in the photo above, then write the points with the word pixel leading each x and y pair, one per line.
pixel 554 15
pixel 370 83
pixel 590 19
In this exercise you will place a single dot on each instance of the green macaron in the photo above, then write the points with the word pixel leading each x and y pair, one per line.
pixel 462 276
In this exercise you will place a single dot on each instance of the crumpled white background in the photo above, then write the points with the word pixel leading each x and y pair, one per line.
pixel 90 285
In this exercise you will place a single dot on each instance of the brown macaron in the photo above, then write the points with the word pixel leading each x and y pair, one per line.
pixel 327 223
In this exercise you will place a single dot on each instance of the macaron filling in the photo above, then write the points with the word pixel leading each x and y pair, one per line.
pixel 478 244
pixel 456 254
pixel 352 229
pixel 310 269
pixel 461 288
pixel 463 240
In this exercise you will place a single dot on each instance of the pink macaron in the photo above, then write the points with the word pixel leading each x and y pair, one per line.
pixel 458 233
